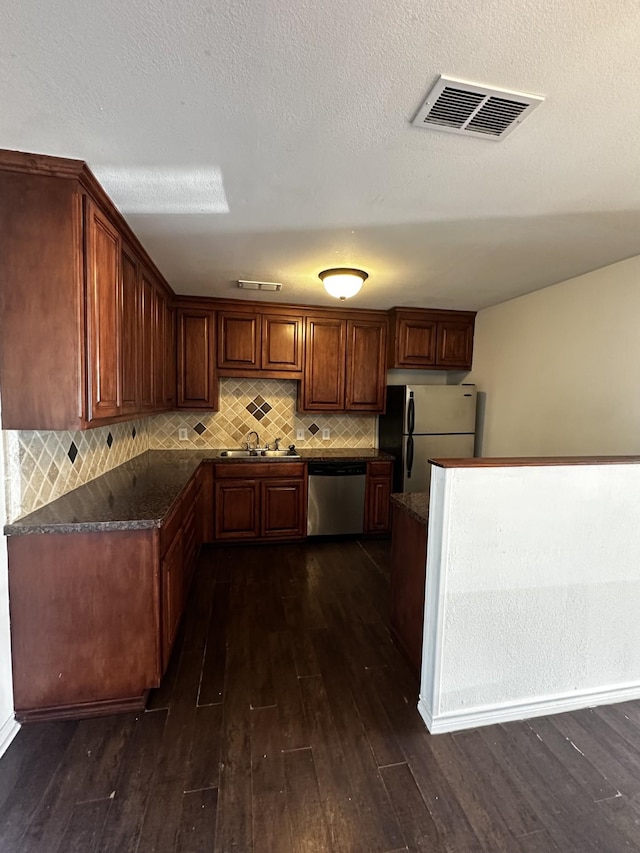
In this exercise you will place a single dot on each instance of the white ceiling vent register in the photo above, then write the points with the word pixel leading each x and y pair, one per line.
pixel 457 106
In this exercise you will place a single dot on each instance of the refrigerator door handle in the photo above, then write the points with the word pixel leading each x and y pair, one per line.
pixel 411 415
pixel 409 456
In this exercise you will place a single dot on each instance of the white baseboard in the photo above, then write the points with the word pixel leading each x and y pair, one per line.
pixel 8 730
pixel 488 715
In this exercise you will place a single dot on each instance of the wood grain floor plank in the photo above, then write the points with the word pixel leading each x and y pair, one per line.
pixel 538 842
pixel 84 827
pixel 234 825
pixel 293 724
pixel 197 830
pixel 370 794
pixel 310 831
pixel 37 777
pixel 597 786
pixel 88 771
pixel 493 776
pixel 346 828
pixel 214 666
pixel 416 823
pixel 605 752
pixel 203 769
pixel 122 827
pixel 271 820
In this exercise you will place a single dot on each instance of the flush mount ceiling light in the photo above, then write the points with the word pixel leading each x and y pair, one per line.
pixel 343 282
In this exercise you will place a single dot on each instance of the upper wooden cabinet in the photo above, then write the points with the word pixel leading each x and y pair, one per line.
pixel 82 343
pixel 325 361
pixel 344 364
pixel 430 339
pixel 261 343
pixel 197 382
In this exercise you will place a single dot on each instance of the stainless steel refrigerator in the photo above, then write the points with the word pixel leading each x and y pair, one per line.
pixel 422 422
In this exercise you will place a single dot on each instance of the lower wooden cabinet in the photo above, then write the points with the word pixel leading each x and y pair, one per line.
pixel 94 615
pixel 377 514
pixel 260 501
pixel 283 504
pixel 236 514
pixel 408 567
pixel 172 575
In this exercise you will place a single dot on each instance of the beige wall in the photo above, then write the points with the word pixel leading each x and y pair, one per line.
pixel 560 367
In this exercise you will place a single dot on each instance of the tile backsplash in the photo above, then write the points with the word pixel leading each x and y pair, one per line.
pixel 267 406
pixel 42 466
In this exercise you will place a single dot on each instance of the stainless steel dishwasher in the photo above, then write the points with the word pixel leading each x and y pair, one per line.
pixel 336 498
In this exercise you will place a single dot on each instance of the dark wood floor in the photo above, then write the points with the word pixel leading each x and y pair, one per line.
pixel 287 722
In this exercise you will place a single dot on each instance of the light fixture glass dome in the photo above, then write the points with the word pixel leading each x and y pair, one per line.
pixel 343 282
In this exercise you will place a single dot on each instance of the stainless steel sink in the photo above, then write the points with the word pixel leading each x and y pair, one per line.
pixel 257 455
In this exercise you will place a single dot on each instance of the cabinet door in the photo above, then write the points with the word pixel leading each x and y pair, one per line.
pixel 172 596
pixel 238 340
pixel 197 385
pixel 237 509
pixel 366 365
pixel 104 300
pixel 415 342
pixel 147 341
pixel 377 512
pixel 324 371
pixel 282 509
pixel 455 344
pixel 131 329
pixel 159 337
pixel 281 343
pixel 169 361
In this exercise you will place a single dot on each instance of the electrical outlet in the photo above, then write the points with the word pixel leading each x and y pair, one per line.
pixel 299 435
pixel 326 434
pixel 182 435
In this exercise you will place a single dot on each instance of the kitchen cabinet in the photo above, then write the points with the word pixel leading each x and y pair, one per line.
pixel 408 567
pixel 283 504
pixel 366 365
pixel 260 500
pixel 131 338
pixel 344 364
pixel 94 615
pixel 430 339
pixel 171 571
pixel 71 277
pixel 197 381
pixel 104 314
pixel 377 514
pixel 257 343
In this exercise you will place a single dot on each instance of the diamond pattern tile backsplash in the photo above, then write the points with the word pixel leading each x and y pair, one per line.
pixel 42 466
pixel 267 406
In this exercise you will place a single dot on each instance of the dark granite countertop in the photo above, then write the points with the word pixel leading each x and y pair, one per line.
pixel 415 504
pixel 133 496
pixel 140 493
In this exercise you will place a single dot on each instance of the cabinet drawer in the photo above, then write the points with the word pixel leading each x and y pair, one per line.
pixel 258 470
pixel 380 468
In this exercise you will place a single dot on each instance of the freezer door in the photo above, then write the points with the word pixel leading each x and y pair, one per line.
pixel 442 408
pixel 417 477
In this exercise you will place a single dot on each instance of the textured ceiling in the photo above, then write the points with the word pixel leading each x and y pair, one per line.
pixel 272 140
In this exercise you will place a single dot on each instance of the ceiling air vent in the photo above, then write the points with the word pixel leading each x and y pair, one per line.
pixel 457 106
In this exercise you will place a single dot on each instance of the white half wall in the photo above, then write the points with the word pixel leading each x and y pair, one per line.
pixel 8 726
pixel 533 583
pixel 559 368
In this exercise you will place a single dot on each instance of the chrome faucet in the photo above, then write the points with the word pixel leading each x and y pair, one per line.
pixel 253 432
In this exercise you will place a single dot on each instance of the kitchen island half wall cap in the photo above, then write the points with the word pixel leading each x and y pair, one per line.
pixel 42 466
